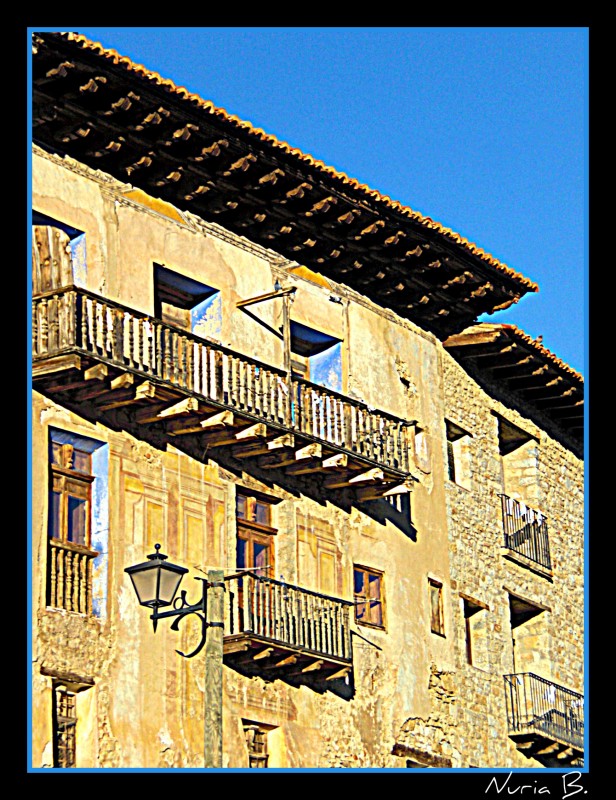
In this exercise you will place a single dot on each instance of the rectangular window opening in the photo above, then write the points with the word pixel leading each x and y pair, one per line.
pixel 437 622
pixel 64 726
pixel 458 462
pixel 368 592
pixel 256 741
pixel 70 550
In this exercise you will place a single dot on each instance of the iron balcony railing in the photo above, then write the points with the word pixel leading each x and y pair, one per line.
pixel 288 615
pixel 536 705
pixel 526 531
pixel 74 320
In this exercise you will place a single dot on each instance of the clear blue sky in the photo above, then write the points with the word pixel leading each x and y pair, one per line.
pixel 482 129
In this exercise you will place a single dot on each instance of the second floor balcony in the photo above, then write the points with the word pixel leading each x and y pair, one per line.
pixel 99 356
pixel 277 630
pixel 526 534
pixel 544 719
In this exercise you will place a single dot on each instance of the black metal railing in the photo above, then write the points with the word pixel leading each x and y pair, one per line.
pixel 536 705
pixel 74 320
pixel 288 615
pixel 526 531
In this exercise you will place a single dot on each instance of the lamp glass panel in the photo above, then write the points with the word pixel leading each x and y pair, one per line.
pixel 169 582
pixel 145 582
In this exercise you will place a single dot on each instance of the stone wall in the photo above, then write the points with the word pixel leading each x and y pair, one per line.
pixel 552 643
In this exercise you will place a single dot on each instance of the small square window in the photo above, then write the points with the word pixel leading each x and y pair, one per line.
pixel 369 597
pixel 458 462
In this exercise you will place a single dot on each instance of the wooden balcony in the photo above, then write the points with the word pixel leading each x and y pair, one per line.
pixel 277 630
pixel 98 357
pixel 545 720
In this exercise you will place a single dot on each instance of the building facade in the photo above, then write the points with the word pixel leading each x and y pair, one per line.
pixel 270 370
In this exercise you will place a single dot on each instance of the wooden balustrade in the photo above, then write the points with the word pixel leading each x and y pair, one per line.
pixel 75 320
pixel 288 615
pixel 70 572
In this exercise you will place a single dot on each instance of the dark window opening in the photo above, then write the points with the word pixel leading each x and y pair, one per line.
pixel 186 303
pixel 64 726
pixel 458 470
pixel 316 356
pixel 256 741
pixel 510 437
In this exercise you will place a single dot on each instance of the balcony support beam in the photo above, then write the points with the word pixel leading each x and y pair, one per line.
pixel 263 653
pixel 378 492
pixel 287 440
pixel 159 413
pixel 341 673
pixel 214 422
pixel 98 372
pixel 55 364
pixel 374 474
pixel 337 461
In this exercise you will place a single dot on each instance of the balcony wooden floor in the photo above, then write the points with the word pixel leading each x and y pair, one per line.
pixel 252 655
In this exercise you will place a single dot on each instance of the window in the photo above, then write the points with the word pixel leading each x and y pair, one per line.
pixel 530 633
pixel 64 724
pixel 437 622
pixel 316 356
pixel 58 254
pixel 369 597
pixel 458 464
pixel 475 632
pixel 519 453
pixel 256 741
pixel 255 543
pixel 186 303
pixel 70 555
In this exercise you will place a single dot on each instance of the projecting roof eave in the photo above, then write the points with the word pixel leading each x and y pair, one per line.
pixel 509 358
pixel 117 116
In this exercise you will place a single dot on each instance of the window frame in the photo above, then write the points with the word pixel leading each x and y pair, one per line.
pixel 253 532
pixel 368 572
pixel 67 482
pixel 64 727
pixel 255 735
pixel 70 555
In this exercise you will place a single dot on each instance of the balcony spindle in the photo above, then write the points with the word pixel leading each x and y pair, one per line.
pixel 44 326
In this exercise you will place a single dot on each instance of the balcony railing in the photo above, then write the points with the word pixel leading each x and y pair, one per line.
pixel 288 615
pixel 72 320
pixel 69 584
pixel 526 531
pixel 538 706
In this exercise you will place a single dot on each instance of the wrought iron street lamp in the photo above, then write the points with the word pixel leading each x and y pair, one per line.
pixel 156 583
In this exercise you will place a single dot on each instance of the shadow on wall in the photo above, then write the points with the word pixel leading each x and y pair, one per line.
pixel 397 512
